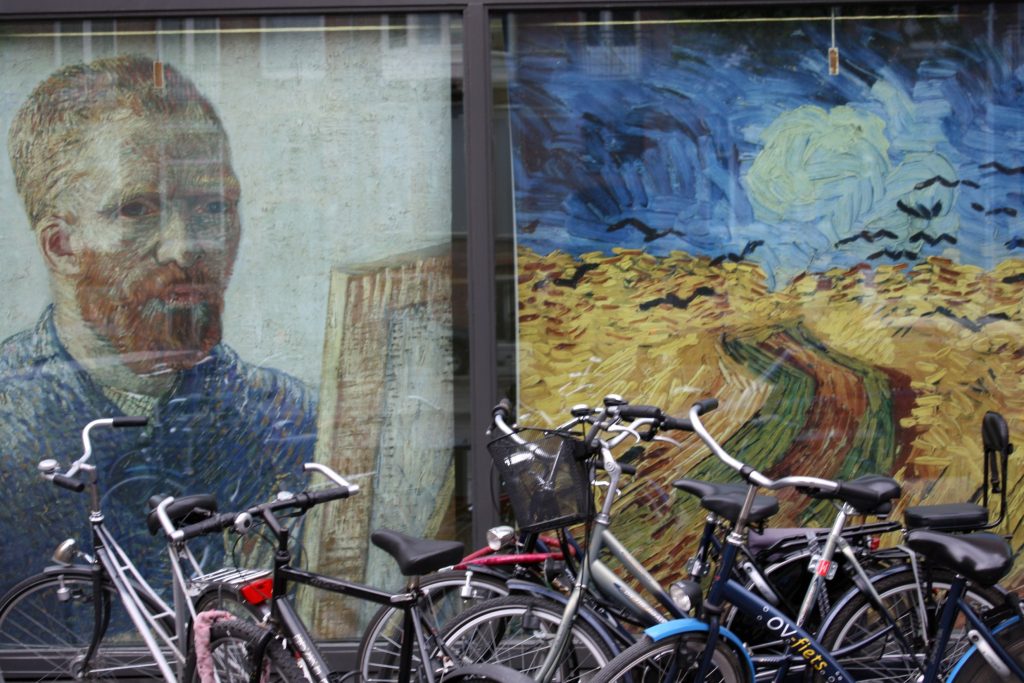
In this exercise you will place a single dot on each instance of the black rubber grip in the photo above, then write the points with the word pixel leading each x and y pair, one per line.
pixel 706 405
pixel 504 408
pixel 632 412
pixel 680 423
pixel 69 483
pixel 129 422
pixel 209 526
pixel 335 493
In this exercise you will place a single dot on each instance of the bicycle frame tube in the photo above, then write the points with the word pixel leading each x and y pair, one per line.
pixel 973 651
pixel 300 639
pixel 802 644
pixel 137 614
pixel 612 585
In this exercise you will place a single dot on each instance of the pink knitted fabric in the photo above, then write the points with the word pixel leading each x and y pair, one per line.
pixel 204 653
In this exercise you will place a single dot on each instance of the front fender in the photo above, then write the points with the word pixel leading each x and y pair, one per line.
pixel 691 625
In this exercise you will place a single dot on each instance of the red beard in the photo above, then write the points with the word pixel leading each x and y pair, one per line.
pixel 168 318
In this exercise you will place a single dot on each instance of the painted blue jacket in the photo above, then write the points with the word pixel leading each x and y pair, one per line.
pixel 232 429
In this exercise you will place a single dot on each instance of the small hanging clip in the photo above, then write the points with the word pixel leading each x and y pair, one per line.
pixel 833 52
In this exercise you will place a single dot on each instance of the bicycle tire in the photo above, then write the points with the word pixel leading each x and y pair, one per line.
pixel 672 660
pixel 45 632
pixel 232 644
pixel 882 658
pixel 379 648
pixel 976 670
pixel 516 631
pixel 484 672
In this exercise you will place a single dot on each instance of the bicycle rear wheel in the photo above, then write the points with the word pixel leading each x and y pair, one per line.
pixel 867 645
pixel 233 644
pixel 976 670
pixel 46 625
pixel 518 631
pixel 448 594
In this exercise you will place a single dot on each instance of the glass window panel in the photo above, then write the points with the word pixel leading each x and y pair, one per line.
pixel 704 205
pixel 244 229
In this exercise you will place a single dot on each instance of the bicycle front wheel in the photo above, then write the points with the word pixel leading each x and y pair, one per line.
pixel 233 645
pixel 672 660
pixel 447 594
pixel 518 632
pixel 46 626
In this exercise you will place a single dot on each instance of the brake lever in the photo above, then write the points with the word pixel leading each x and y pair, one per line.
pixel 667 439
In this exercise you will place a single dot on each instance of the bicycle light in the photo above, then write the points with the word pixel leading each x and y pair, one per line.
pixel 687 596
pixel 500 536
pixel 65 552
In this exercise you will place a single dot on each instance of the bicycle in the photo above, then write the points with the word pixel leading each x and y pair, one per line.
pixel 479 576
pixel 701 648
pixel 240 647
pixel 81 621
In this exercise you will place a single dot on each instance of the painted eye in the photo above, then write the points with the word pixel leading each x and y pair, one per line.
pixel 138 208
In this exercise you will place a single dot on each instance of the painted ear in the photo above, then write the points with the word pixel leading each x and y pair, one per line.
pixel 55 243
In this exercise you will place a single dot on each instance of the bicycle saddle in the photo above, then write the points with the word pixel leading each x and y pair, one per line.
pixel 417 556
pixel 984 558
pixel 726 500
pixel 183 511
pixel 869 494
pixel 947 517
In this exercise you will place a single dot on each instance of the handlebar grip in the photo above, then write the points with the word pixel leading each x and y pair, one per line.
pixel 706 405
pixel 208 526
pixel 504 408
pixel 680 423
pixel 129 422
pixel 69 483
pixel 632 412
pixel 628 469
pixel 333 493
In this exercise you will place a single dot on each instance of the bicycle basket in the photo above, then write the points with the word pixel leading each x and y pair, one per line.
pixel 545 476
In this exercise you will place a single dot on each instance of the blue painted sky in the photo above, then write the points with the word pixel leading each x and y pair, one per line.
pixel 732 138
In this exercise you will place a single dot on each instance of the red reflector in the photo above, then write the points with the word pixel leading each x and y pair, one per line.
pixel 823 567
pixel 874 542
pixel 258 591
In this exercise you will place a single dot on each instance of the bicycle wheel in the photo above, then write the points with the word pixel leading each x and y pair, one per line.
pixel 46 625
pixel 672 660
pixel 485 672
pixel 232 646
pixel 868 647
pixel 977 670
pixel 448 594
pixel 517 631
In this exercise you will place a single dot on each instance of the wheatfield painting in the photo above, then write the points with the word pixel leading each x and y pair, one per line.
pixel 703 209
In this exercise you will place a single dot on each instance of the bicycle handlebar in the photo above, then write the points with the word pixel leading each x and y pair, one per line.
pixel 748 473
pixel 301 501
pixel 50 469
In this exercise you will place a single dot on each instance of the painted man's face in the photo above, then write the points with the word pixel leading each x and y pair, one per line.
pixel 156 227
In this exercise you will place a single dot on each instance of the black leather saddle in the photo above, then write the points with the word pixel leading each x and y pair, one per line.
pixel 417 556
pixel 183 511
pixel 726 500
pixel 869 494
pixel 981 557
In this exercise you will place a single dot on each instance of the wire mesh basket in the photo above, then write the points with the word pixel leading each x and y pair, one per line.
pixel 546 477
